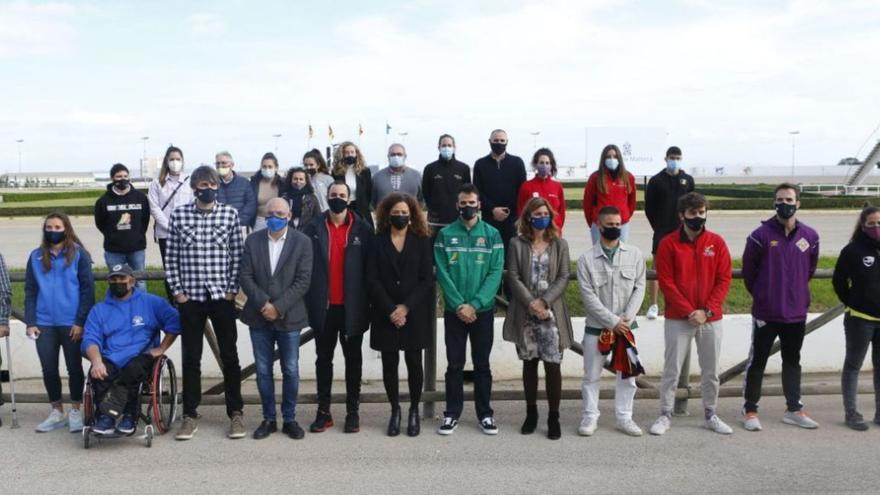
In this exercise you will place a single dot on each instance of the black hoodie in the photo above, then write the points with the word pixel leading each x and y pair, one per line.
pixel 856 278
pixel 123 219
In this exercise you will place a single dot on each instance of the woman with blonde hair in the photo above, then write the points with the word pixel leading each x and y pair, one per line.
pixel 350 167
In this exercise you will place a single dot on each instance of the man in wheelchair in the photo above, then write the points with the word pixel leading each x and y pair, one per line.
pixel 121 340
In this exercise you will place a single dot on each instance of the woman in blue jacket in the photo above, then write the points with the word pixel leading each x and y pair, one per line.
pixel 59 292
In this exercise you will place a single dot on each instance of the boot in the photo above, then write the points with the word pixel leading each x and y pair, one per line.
pixel 531 421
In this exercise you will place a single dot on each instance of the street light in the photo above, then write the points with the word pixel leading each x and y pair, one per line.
pixel 277 137
pixel 403 136
pixel 144 159
pixel 19 141
pixel 793 135
pixel 535 135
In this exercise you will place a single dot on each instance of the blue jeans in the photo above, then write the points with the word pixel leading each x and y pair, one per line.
pixel 49 343
pixel 263 341
pixel 135 260
pixel 595 234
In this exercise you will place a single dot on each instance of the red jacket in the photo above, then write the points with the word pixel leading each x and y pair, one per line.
pixel 615 195
pixel 549 189
pixel 693 275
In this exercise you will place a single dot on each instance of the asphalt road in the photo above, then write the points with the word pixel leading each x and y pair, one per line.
pixel 18 236
pixel 688 459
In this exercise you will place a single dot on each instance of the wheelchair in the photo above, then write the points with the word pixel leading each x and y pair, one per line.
pixel 156 404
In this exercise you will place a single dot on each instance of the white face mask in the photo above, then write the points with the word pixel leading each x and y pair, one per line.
pixel 611 163
pixel 268 173
pixel 224 171
pixel 175 166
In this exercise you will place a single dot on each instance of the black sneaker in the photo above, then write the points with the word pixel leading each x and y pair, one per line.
pixel 352 423
pixel 293 430
pixel 488 426
pixel 856 422
pixel 322 421
pixel 265 429
pixel 448 426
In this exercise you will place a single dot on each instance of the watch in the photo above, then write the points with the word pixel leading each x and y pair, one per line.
pixel 709 313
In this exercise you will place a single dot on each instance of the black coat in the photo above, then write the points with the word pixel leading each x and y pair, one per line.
pixel 661 201
pixel 364 193
pixel 357 253
pixel 440 183
pixel 856 277
pixel 401 278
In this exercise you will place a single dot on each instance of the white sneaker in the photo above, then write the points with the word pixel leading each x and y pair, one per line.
pixel 799 418
pixel 750 422
pixel 629 427
pixel 661 426
pixel 75 420
pixel 653 312
pixel 587 427
pixel 715 424
pixel 55 420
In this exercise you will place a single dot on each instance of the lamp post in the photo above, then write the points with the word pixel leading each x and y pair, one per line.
pixel 19 141
pixel 403 136
pixel 144 159
pixel 535 135
pixel 277 137
pixel 793 135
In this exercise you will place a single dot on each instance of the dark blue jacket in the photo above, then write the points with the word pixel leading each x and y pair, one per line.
pixel 62 296
pixel 239 194
pixel 122 330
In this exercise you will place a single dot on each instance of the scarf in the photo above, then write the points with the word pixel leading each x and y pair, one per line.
pixel 295 198
pixel 624 355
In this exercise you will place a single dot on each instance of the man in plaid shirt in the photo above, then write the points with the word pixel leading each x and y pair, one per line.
pixel 202 263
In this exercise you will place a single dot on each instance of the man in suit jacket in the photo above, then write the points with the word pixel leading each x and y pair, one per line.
pixel 276 270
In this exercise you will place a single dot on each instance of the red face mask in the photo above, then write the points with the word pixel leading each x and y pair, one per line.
pixel 872 232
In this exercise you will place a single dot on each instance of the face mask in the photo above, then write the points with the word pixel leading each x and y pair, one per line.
pixel 544 170
pixel 673 165
pixel 298 186
pixel 498 148
pixel 224 171
pixel 207 195
pixel 873 233
pixel 396 161
pixel 337 205
pixel 275 224
pixel 610 233
pixel 53 237
pixel 175 166
pixel 785 210
pixel 350 160
pixel 268 173
pixel 120 184
pixel 611 164
pixel 540 223
pixel 311 171
pixel 399 221
pixel 118 289
pixel 696 224
pixel 446 152
pixel 467 212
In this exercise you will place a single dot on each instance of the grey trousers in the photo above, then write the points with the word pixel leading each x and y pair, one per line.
pixel 679 334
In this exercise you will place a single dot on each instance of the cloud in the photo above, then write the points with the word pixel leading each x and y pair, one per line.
pixel 36 29
pixel 203 25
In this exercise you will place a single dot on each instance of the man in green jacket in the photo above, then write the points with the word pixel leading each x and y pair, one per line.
pixel 469 255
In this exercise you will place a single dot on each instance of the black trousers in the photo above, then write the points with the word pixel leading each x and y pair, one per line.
pixel 414 376
pixel 791 339
pixel 481 333
pixel 325 347
pixel 163 248
pixel 120 388
pixel 193 315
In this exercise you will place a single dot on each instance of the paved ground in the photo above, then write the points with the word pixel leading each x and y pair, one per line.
pixel 21 235
pixel 689 459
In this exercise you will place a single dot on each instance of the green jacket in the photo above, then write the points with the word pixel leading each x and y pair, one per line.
pixel 469 265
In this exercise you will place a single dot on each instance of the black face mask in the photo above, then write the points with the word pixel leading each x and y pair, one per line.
pixel 206 195
pixel 337 205
pixel 498 148
pixel 350 160
pixel 611 233
pixel 467 212
pixel 311 171
pixel 399 222
pixel 118 289
pixel 696 224
pixel 53 237
pixel 121 184
pixel 785 210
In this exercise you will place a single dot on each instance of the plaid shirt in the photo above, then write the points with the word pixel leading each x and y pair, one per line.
pixel 204 252
pixel 5 293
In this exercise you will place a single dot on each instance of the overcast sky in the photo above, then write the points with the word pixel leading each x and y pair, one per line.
pixel 83 81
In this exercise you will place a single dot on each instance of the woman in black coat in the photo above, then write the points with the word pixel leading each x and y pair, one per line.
pixel 349 166
pixel 399 278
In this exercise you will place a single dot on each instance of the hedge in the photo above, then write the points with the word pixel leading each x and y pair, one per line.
pixel 838 202
pixel 24 197
pixel 41 211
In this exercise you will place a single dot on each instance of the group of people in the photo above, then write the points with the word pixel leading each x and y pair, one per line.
pixel 343 251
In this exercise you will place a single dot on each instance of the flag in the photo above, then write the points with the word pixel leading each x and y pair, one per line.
pixel 387 128
pixel 360 129
pixel 330 132
pixel 311 131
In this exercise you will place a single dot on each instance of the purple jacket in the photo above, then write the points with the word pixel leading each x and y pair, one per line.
pixel 777 271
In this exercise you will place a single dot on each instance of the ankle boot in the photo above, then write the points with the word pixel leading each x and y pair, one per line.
pixel 414 427
pixel 531 421
pixel 554 431
pixel 394 422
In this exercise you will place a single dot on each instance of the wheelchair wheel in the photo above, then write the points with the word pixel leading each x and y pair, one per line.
pixel 148 436
pixel 86 434
pixel 164 394
pixel 88 404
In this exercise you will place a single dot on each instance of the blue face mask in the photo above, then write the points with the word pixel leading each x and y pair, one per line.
pixel 446 152
pixel 206 195
pixel 673 165
pixel 611 163
pixel 396 161
pixel 540 223
pixel 275 224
